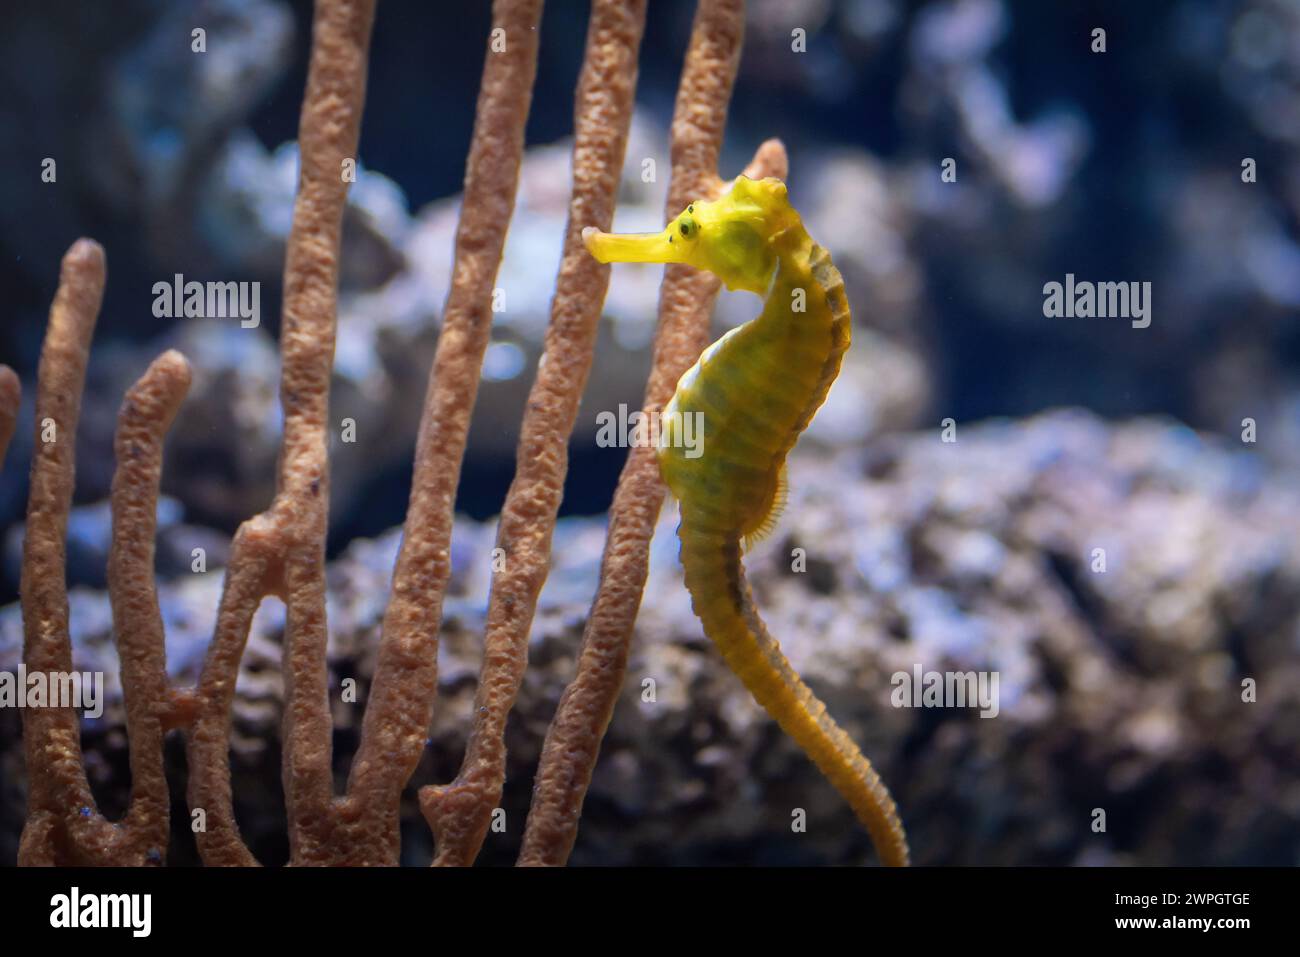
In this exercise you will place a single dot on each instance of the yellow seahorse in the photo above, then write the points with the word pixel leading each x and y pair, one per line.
pixel 754 391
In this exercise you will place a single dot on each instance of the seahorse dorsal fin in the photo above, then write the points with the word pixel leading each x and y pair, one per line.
pixel 767 520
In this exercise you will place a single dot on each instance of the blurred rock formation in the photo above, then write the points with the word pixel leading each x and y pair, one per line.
pixel 1119 690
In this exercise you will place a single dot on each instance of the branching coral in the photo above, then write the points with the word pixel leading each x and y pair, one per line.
pixel 278 553
pixel 281 552
pixel 63 824
pixel 685 305
pixel 406 675
pixel 460 813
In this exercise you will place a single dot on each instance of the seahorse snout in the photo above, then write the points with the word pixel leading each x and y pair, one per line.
pixel 629 247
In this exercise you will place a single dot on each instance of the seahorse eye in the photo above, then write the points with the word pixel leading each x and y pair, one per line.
pixel 685 229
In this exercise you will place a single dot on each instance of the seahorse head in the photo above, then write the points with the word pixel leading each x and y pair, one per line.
pixel 734 237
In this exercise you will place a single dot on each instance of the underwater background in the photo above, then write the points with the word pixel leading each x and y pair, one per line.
pixel 1174 447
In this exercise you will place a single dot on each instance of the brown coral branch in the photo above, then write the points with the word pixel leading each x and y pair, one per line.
pixel 686 303
pixel 63 824
pixel 405 680
pixel 11 394
pixel 252 570
pixel 459 813
pixel 146 415
pixel 328 133
pixel 282 551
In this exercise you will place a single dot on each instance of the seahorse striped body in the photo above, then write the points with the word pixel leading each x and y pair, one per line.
pixel 755 390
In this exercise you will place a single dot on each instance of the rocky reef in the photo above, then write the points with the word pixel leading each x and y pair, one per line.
pixel 1119 689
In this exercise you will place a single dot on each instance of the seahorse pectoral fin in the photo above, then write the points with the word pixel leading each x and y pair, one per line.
pixel 765 523
pixel 630 247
